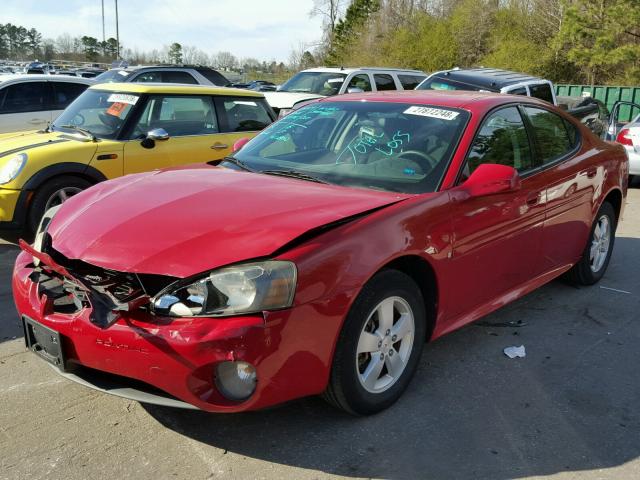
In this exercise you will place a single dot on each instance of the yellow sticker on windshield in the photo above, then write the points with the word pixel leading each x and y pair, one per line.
pixel 432 112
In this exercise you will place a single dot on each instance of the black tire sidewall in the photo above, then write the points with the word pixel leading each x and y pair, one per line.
pixel 44 192
pixel 388 283
pixel 588 276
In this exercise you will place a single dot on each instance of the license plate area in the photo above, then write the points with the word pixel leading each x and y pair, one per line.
pixel 44 342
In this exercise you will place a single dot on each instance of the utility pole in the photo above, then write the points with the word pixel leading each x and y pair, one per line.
pixel 117 33
pixel 103 37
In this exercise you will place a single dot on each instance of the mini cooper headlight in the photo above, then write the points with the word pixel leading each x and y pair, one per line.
pixel 246 288
pixel 12 168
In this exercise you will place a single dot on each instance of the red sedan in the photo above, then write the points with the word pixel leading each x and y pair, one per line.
pixel 323 254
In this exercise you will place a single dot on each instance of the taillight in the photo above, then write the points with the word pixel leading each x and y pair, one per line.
pixel 624 138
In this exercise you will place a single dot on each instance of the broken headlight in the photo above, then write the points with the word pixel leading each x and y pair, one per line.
pixel 241 289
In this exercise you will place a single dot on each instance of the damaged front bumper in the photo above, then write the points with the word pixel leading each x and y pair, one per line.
pixel 169 361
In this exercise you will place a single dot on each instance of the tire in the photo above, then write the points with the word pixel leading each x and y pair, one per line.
pixel 349 388
pixel 589 270
pixel 43 198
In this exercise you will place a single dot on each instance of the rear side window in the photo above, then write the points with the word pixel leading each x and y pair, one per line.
pixel 542 91
pixel 384 82
pixel 66 92
pixel 409 82
pixel 178 77
pixel 518 91
pixel 245 114
pixel 551 135
pixel 214 77
pixel 503 140
pixel 25 97
pixel 436 83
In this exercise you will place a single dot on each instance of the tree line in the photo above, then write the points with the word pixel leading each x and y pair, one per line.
pixel 567 41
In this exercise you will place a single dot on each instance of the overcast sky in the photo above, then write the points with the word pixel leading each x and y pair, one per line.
pixel 264 29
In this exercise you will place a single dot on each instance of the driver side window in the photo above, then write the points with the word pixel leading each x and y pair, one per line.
pixel 502 139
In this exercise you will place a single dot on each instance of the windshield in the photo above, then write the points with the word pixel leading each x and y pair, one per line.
pixel 315 82
pixel 111 76
pixel 385 146
pixel 101 113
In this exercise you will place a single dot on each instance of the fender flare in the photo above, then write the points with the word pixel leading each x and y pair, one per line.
pixel 63 168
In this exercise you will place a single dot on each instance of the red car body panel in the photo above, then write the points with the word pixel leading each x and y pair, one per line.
pixel 478 253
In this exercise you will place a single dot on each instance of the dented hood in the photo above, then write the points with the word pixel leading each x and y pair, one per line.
pixel 184 221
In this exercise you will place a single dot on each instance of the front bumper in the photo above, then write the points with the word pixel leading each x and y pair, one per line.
pixel 178 356
pixel 13 207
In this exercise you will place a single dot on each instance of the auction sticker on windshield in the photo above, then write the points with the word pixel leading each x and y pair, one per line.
pixel 432 112
pixel 123 98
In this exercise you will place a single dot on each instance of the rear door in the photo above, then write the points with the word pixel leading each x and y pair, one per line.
pixel 497 238
pixel 573 182
pixel 192 125
pixel 25 106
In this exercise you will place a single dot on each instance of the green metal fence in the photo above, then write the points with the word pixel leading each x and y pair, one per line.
pixel 607 95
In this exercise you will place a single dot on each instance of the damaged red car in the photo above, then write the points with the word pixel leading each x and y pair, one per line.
pixel 320 257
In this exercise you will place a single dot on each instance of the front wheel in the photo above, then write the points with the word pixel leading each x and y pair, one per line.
pixel 52 193
pixel 379 346
pixel 595 258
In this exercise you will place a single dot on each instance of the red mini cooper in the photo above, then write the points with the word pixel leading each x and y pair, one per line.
pixel 322 255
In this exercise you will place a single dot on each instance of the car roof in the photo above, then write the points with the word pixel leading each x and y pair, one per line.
pixel 349 70
pixel 134 68
pixel 176 88
pixel 463 99
pixel 488 78
pixel 38 76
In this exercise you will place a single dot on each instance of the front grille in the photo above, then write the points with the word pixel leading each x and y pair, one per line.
pixel 105 291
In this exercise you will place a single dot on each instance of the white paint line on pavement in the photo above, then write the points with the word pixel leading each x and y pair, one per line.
pixel 614 290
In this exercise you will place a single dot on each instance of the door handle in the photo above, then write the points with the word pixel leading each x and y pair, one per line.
pixel 219 146
pixel 36 121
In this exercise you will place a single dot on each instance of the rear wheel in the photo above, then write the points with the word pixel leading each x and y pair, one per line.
pixel 379 346
pixel 595 258
pixel 52 193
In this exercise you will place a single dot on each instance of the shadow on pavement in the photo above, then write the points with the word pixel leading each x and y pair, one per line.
pixel 471 412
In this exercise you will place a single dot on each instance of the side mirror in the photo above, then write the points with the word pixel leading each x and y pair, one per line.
pixel 239 144
pixel 489 179
pixel 354 90
pixel 153 136
pixel 158 135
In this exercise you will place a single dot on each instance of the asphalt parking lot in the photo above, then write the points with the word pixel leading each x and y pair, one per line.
pixel 568 410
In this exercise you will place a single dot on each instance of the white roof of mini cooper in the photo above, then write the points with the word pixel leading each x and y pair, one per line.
pixel 348 70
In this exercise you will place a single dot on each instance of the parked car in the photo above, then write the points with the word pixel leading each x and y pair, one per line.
pixel 188 74
pixel 115 129
pixel 490 80
pixel 29 102
pixel 629 136
pixel 323 254
pixel 323 82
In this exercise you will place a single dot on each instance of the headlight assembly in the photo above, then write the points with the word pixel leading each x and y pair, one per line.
pixel 12 168
pixel 240 289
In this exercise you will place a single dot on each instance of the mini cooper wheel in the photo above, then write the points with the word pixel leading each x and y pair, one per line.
pixel 379 346
pixel 595 258
pixel 52 193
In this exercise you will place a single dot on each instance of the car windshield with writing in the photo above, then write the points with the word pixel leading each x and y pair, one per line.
pixel 101 114
pixel 384 146
pixel 320 83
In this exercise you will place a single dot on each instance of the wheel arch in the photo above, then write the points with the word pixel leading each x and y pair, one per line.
pixel 81 170
pixel 424 275
pixel 615 198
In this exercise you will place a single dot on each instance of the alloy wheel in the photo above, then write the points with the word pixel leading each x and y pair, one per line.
pixel 385 344
pixel 600 243
pixel 60 196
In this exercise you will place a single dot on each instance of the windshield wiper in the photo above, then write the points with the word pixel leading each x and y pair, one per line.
pixel 238 163
pixel 84 131
pixel 294 174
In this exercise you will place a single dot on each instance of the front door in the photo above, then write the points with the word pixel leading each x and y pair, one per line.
pixel 193 133
pixel 497 238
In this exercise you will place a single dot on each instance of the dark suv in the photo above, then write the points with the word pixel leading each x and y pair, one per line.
pixel 189 74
